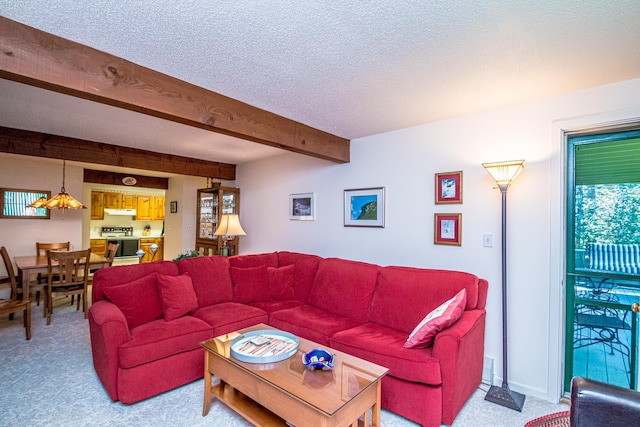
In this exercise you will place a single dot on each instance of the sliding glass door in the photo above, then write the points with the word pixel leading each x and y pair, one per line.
pixel 603 258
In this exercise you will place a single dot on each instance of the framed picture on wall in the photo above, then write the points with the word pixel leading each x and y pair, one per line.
pixel 447 229
pixel 174 206
pixel 448 188
pixel 364 207
pixel 302 206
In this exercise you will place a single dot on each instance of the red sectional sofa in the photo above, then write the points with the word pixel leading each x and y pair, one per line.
pixel 146 323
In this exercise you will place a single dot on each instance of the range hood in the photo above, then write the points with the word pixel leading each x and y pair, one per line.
pixel 128 212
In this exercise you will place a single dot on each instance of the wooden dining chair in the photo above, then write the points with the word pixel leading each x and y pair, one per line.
pixel 68 274
pixel 14 304
pixel 112 248
pixel 41 250
pixel 34 287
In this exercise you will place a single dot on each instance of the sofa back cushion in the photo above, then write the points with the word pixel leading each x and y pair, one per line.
pixel 118 275
pixel 281 282
pixel 344 287
pixel 250 284
pixel 176 296
pixel 269 259
pixel 304 274
pixel 210 277
pixel 405 295
pixel 139 300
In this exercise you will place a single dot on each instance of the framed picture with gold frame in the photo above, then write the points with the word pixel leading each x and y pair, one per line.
pixel 449 188
pixel 447 229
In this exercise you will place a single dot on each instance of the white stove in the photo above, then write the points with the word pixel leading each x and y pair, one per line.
pixel 123 236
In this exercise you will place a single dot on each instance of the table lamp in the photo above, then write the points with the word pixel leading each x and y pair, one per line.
pixel 228 228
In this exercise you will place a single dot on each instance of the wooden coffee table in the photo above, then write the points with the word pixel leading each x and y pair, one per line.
pixel 272 394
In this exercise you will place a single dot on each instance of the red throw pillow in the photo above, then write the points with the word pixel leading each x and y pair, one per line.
pixel 139 300
pixel 440 318
pixel 250 284
pixel 177 296
pixel 281 282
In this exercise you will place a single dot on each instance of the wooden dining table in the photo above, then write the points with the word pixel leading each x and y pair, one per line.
pixel 31 264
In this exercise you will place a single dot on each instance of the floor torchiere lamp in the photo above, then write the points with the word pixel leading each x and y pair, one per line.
pixel 504 173
pixel 228 228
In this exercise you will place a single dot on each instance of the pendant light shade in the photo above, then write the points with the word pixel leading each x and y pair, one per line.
pixel 39 203
pixel 62 200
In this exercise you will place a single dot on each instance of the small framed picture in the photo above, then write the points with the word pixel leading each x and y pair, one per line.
pixel 302 206
pixel 364 207
pixel 447 229
pixel 449 188
pixel 174 206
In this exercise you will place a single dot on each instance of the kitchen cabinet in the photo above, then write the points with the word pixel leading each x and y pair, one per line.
pixel 97 205
pixel 143 208
pixel 158 208
pixel 113 200
pixel 211 204
pixel 150 208
pixel 98 246
pixel 129 201
pixel 145 245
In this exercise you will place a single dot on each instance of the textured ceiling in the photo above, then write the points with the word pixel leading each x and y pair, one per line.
pixel 352 68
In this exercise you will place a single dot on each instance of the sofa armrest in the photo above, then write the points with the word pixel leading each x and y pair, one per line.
pixel 460 350
pixel 596 404
pixel 109 330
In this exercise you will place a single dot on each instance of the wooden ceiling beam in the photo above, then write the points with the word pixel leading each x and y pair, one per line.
pixel 41 59
pixel 38 144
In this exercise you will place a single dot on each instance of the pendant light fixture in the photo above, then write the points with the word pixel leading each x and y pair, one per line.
pixel 62 200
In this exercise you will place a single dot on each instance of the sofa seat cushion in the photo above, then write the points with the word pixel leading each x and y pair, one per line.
pixel 271 306
pixel 159 339
pixel 345 288
pixel 230 316
pixel 384 346
pixel 311 323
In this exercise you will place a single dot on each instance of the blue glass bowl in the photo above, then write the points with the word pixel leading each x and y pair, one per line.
pixel 318 359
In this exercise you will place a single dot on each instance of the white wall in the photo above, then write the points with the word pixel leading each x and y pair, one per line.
pixel 404 162
pixel 19 236
pixel 35 173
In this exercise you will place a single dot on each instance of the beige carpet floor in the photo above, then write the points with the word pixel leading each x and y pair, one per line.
pixel 50 381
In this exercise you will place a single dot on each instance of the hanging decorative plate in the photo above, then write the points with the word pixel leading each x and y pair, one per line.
pixel 264 346
pixel 129 180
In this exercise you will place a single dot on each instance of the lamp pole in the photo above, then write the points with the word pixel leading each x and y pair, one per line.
pixel 504 395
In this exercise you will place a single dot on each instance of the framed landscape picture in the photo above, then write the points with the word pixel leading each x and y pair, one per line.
pixel 449 188
pixel 302 206
pixel 447 229
pixel 364 207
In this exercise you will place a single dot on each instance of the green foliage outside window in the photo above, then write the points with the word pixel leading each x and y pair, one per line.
pixel 607 213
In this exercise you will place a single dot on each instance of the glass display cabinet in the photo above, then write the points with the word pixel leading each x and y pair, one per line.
pixel 211 204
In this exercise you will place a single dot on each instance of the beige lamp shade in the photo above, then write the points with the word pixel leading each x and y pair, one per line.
pixel 230 226
pixel 504 173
